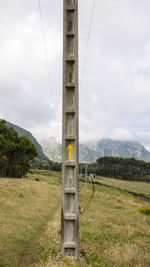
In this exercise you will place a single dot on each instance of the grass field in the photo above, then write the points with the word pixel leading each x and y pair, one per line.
pixel 136 187
pixel 112 233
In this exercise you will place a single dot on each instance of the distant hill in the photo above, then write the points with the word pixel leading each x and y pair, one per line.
pixel 89 152
pixel 52 149
pixel 124 149
pixel 22 131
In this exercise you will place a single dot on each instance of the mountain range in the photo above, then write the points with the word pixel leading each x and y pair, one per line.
pixel 89 152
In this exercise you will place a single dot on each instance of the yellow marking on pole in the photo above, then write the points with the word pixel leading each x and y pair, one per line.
pixel 70 148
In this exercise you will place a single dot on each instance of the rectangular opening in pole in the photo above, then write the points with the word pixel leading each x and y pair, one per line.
pixel 70 124
pixel 70 97
pixel 69 203
pixel 70 46
pixel 70 2
pixel 70 72
pixel 70 151
pixel 69 181
pixel 70 21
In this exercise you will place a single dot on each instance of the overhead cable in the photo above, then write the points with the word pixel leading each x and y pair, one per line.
pixel 87 45
pixel 45 50
pixel 90 200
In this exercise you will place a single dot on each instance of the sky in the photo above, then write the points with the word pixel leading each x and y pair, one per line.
pixel 114 82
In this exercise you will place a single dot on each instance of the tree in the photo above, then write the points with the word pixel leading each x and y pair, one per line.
pixel 15 152
pixel 122 168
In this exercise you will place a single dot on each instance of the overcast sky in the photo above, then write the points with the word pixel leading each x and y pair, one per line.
pixel 115 91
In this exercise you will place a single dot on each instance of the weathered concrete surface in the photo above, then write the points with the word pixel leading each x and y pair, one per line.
pixel 70 140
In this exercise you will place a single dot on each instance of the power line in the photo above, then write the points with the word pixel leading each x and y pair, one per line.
pixel 45 51
pixel 87 45
pixel 90 200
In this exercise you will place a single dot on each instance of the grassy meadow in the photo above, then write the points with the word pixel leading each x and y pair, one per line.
pixel 135 187
pixel 113 232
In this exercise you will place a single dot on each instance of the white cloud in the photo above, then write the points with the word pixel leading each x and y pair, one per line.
pixel 115 86
pixel 122 134
pixel 26 94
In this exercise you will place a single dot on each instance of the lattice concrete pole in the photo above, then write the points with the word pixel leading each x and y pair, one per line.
pixel 70 143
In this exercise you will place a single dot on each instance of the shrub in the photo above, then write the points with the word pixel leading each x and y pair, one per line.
pixel 145 210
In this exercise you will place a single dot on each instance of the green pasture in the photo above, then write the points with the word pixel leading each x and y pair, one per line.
pixel 113 232
pixel 136 187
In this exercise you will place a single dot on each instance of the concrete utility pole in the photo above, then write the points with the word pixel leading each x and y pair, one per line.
pixel 70 143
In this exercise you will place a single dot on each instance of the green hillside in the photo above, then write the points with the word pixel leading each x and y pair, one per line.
pixel 22 131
